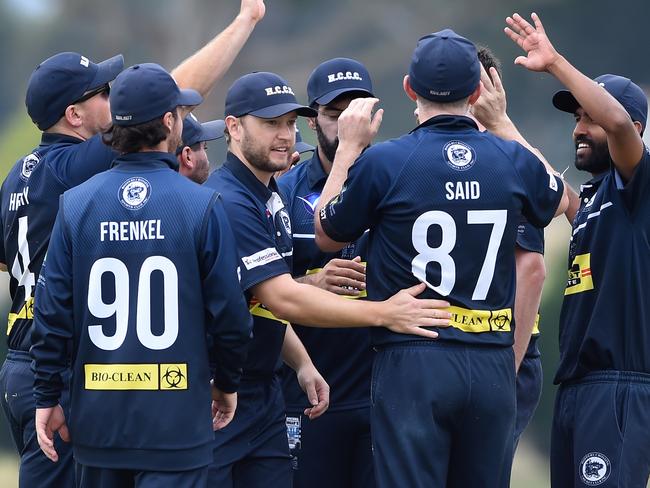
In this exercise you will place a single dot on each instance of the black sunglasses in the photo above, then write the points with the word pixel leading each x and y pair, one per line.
pixel 88 95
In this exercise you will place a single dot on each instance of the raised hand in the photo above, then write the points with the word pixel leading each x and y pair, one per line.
pixel 540 53
pixel 357 125
pixel 342 276
pixel 253 9
pixel 490 108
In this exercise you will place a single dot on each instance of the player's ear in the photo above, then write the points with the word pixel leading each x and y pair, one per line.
pixel 311 122
pixel 406 84
pixel 475 95
pixel 185 158
pixel 233 125
pixel 72 116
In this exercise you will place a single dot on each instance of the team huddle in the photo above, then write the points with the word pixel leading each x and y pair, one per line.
pixel 366 317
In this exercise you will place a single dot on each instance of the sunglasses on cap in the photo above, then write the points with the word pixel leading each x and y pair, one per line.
pixel 88 95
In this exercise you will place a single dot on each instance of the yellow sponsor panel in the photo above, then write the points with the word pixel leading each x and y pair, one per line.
pixel 476 321
pixel 173 376
pixel 580 278
pixel 536 326
pixel 121 376
pixel 27 312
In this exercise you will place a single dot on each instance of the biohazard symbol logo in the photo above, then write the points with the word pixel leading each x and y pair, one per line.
pixel 501 321
pixel 173 377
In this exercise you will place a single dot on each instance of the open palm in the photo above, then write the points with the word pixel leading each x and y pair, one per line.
pixel 540 53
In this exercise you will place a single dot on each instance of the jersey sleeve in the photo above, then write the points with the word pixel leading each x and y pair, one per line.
pixel 542 190
pixel 635 191
pixel 53 318
pixel 347 216
pixel 258 258
pixel 83 161
pixel 530 238
pixel 229 322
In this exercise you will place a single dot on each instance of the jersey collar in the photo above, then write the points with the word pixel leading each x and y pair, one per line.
pixel 48 138
pixel 249 180
pixel 149 160
pixel 449 122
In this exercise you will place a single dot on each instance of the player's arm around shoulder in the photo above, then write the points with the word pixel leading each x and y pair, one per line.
pixel 311 306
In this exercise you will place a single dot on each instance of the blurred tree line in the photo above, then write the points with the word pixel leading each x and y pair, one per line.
pixel 598 36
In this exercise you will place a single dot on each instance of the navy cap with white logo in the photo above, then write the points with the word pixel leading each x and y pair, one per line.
pixel 336 77
pixel 444 67
pixel 195 131
pixel 264 95
pixel 62 80
pixel 146 91
pixel 628 94
pixel 301 146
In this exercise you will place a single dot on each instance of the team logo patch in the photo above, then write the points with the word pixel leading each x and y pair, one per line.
pixel 134 193
pixel 594 469
pixel 459 156
pixel 29 163
pixel 286 220
pixel 310 201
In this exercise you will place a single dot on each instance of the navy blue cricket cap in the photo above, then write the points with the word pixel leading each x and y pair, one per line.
pixel 444 67
pixel 195 131
pixel 147 91
pixel 622 89
pixel 301 146
pixel 336 77
pixel 63 79
pixel 264 95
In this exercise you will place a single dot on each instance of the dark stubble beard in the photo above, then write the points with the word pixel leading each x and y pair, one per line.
pixel 328 147
pixel 598 160
pixel 259 158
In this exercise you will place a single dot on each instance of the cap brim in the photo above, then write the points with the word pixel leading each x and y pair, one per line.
pixel 189 97
pixel 283 108
pixel 213 130
pixel 565 101
pixel 303 147
pixel 107 72
pixel 328 97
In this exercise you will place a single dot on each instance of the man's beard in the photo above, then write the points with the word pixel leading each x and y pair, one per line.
pixel 259 158
pixel 328 147
pixel 597 161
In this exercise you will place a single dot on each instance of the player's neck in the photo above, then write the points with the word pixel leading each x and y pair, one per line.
pixel 325 163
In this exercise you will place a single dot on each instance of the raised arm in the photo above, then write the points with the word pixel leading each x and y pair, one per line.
pixel 623 135
pixel 208 65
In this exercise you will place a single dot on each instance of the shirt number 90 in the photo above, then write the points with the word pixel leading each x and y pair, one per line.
pixel 120 306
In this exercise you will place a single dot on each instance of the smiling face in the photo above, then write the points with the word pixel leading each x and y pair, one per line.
pixel 267 144
pixel 592 152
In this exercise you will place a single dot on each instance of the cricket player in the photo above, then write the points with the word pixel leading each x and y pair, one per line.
pixel 443 204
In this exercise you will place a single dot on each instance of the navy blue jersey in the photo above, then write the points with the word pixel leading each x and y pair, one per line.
pixel 29 200
pixel 605 318
pixel 443 204
pixel 531 239
pixel 140 270
pixel 262 229
pixel 342 356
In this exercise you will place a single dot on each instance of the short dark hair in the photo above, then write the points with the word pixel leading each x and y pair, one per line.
pixel 489 60
pixel 134 138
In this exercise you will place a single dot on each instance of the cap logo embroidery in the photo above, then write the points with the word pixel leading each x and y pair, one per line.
pixel 84 61
pixel 278 90
pixel 440 93
pixel 123 117
pixel 340 76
